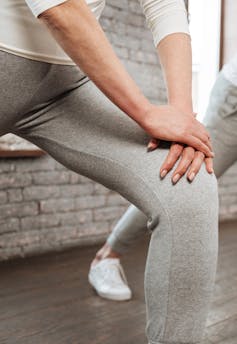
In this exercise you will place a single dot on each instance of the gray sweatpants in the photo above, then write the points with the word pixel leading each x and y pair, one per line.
pixel 61 110
pixel 221 121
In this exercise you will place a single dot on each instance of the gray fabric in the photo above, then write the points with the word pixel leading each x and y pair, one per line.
pixel 221 121
pixel 61 110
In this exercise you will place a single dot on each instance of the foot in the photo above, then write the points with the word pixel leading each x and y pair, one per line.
pixel 108 279
pixel 105 252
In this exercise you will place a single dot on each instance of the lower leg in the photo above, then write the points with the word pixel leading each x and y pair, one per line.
pixel 181 263
pixel 130 227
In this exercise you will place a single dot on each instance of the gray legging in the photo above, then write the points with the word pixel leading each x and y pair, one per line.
pixel 62 111
pixel 221 121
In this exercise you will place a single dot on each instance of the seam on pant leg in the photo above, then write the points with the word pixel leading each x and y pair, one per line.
pixel 96 156
pixel 147 185
pixel 171 262
pixel 36 90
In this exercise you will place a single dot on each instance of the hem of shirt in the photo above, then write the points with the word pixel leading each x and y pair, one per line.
pixel 36 57
pixel 169 25
pixel 37 8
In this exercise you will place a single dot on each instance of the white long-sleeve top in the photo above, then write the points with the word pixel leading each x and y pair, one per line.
pixel 22 33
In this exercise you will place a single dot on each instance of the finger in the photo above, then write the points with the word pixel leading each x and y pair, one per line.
pixel 195 166
pixel 152 144
pixel 209 165
pixel 173 155
pixel 184 163
pixel 202 130
pixel 203 135
pixel 199 145
pixel 206 139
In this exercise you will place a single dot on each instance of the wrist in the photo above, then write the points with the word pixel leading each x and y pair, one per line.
pixel 141 111
pixel 147 122
pixel 186 107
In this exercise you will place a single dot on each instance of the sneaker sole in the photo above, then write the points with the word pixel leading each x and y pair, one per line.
pixel 109 296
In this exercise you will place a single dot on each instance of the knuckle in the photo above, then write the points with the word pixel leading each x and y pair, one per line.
pixel 176 150
pixel 199 155
pixel 177 147
pixel 193 170
pixel 186 130
pixel 168 165
pixel 189 154
pixel 182 170
pixel 176 153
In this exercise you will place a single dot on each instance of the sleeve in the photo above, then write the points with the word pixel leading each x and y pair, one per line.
pixel 39 6
pixel 164 17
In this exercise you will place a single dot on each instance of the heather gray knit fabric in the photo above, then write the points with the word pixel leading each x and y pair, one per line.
pixel 61 110
pixel 221 121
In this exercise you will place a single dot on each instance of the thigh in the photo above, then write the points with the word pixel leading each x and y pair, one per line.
pixel 19 78
pixel 221 121
pixel 87 133
pixel 27 86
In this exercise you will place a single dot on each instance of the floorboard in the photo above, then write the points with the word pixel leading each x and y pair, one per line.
pixel 47 299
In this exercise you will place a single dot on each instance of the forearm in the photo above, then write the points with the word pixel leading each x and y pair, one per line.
pixel 79 33
pixel 175 55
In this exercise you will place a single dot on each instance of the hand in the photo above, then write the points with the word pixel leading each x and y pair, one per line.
pixel 190 161
pixel 166 122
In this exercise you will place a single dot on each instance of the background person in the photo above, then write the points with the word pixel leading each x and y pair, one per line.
pixel 68 112
pixel 221 121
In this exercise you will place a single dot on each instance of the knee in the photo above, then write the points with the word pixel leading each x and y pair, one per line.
pixel 188 206
pixel 193 217
pixel 195 199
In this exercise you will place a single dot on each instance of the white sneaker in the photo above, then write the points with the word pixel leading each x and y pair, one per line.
pixel 109 280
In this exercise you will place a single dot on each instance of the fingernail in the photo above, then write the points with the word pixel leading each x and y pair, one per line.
pixel 191 177
pixel 213 154
pixel 176 178
pixel 211 170
pixel 163 173
pixel 149 148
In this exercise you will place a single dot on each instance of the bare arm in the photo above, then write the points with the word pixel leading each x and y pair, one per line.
pixel 76 29
pixel 176 60
pixel 79 33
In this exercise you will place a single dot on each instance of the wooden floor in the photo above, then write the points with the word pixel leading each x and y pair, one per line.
pixel 47 300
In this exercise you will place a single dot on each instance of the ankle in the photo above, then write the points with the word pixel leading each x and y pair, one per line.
pixel 105 252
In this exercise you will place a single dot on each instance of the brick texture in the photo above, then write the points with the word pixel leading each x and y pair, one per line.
pixel 44 206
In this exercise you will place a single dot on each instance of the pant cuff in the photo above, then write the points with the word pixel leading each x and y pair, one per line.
pixel 116 244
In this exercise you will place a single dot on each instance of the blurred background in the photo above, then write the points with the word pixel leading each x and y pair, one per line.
pixel 56 219
pixel 45 207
